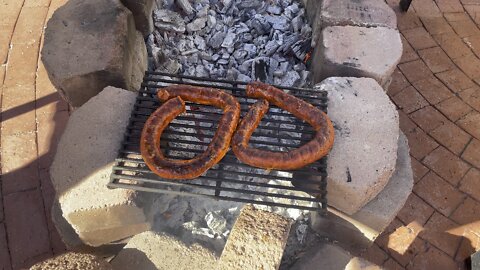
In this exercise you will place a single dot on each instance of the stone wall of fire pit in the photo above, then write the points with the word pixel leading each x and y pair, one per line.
pixel 354 47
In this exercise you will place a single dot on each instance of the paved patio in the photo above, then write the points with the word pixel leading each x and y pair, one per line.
pixel 436 88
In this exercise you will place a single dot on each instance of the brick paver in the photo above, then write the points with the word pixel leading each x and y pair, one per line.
pixel 436 88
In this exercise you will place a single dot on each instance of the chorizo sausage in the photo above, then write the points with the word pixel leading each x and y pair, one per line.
pixel 174 97
pixel 308 153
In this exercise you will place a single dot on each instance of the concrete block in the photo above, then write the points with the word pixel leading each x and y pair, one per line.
pixel 357 52
pixel 73 261
pixel 364 154
pixel 152 251
pixel 142 13
pixel 366 13
pixel 358 231
pixel 73 242
pixel 329 256
pixel 257 241
pixel 82 166
pixel 76 64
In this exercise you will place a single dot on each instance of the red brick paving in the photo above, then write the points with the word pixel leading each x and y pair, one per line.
pixel 435 87
pixel 439 99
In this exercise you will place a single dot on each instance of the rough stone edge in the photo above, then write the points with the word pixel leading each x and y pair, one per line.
pixel 351 232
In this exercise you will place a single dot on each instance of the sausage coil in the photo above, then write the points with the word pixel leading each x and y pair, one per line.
pixel 308 153
pixel 174 105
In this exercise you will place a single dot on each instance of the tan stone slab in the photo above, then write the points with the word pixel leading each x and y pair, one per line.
pixel 22 65
pixel 83 164
pixel 29 26
pixel 96 238
pixel 352 51
pixel 152 251
pixel 364 154
pixel 257 241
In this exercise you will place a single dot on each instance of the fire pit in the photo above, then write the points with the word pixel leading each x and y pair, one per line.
pixel 222 44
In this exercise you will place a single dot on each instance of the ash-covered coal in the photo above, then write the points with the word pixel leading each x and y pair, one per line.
pixel 226 39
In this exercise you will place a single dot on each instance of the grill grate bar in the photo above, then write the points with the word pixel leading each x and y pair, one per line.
pixel 190 133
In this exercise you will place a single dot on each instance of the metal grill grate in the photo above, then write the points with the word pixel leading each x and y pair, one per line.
pixel 190 133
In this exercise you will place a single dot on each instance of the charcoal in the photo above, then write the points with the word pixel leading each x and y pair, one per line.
pixel 272 66
pixel 202 12
pixel 197 25
pixel 247 37
pixel 216 222
pixel 222 61
pixel 271 47
pixel 297 23
pixel 260 24
pixel 285 3
pixel 224 5
pixel 276 10
pixel 166 20
pixel 229 40
pixel 211 21
pixel 291 10
pixel 251 49
pixel 200 71
pixel 185 6
pixel 278 22
pixel 230 50
pixel 215 57
pixel 200 43
pixel 299 67
pixel 242 28
pixel 232 74
pixel 249 4
pixel 226 56
pixel 240 54
pixel 243 78
pixel 206 56
pixel 217 39
pixel 291 78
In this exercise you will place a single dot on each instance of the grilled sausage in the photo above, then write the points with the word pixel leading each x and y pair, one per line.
pixel 174 105
pixel 308 153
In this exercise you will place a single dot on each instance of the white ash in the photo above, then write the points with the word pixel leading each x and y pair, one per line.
pixel 223 39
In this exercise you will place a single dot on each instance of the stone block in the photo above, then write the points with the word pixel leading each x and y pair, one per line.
pixel 73 242
pixel 76 63
pixel 366 13
pixel 152 251
pixel 364 154
pixel 329 256
pixel 357 52
pixel 73 261
pixel 82 166
pixel 142 12
pixel 358 231
pixel 257 241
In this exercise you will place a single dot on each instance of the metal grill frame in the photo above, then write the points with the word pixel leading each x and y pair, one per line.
pixel 130 171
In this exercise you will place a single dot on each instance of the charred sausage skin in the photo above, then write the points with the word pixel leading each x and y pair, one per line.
pixel 173 97
pixel 308 153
